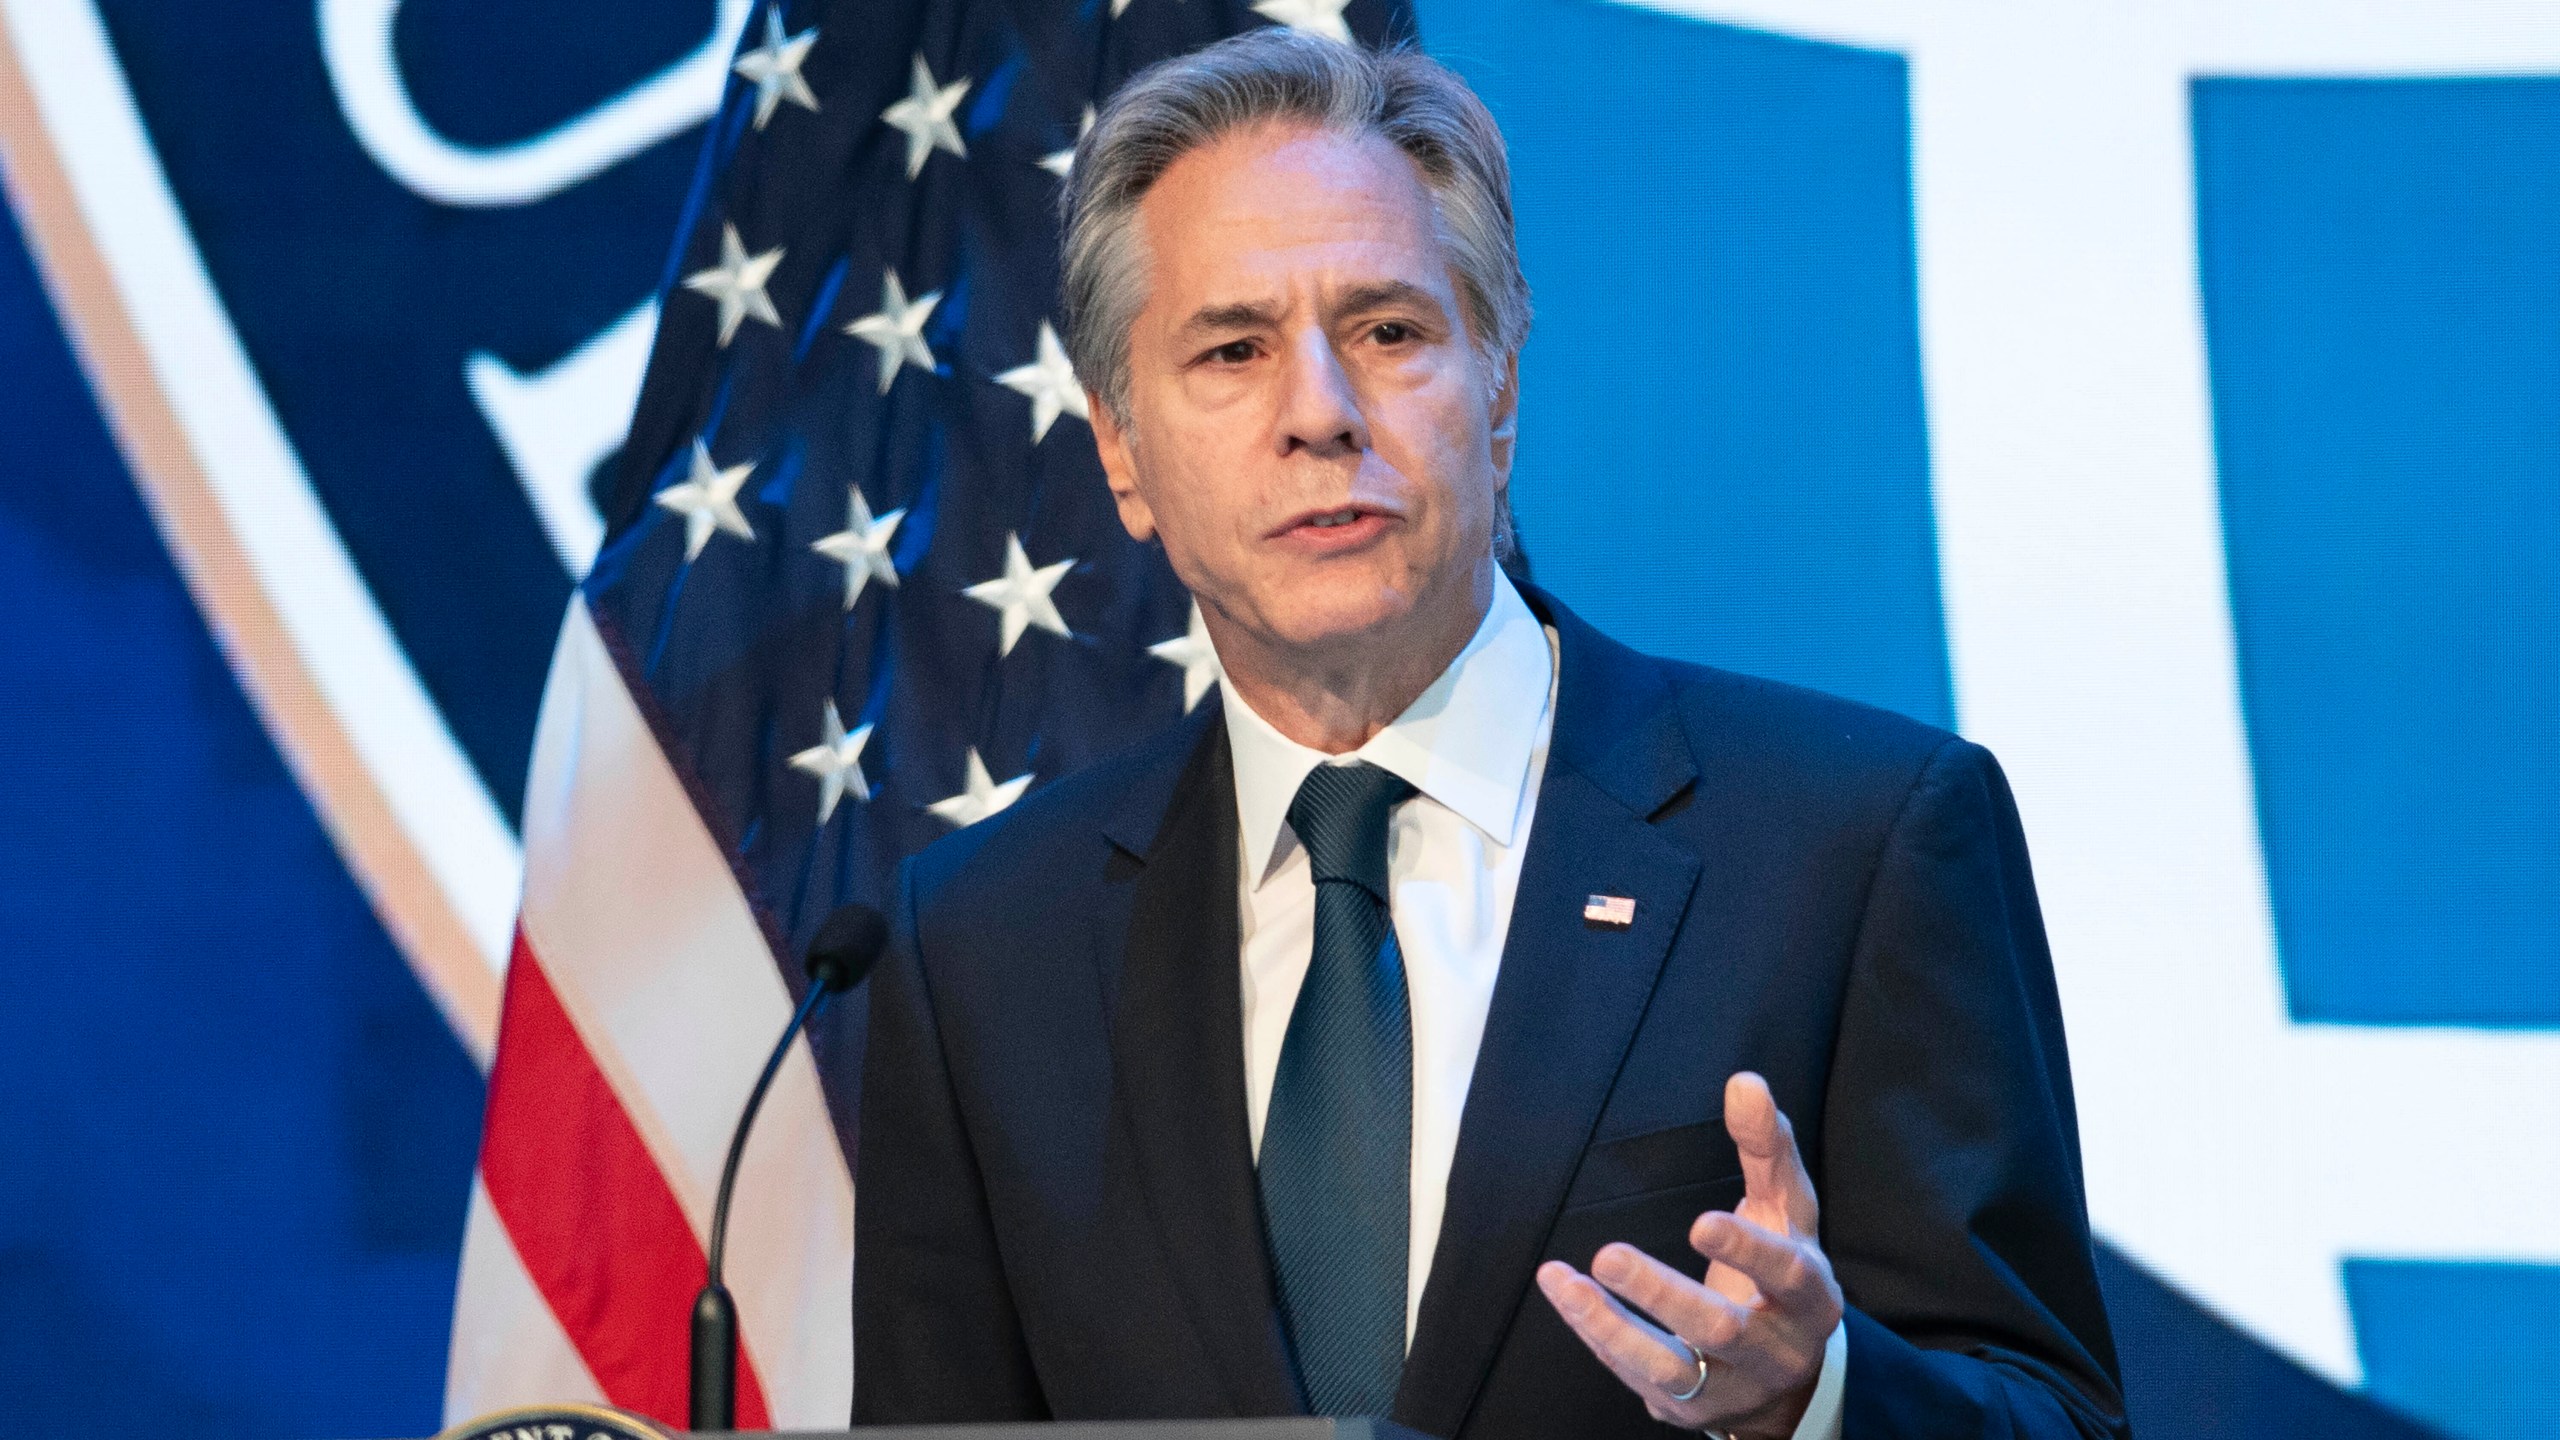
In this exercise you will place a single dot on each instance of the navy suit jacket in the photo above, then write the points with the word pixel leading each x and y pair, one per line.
pixel 1057 1214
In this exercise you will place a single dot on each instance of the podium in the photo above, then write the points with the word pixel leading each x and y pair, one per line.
pixel 1296 1428
pixel 581 1422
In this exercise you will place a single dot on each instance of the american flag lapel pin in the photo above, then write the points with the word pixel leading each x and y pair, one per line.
pixel 1615 911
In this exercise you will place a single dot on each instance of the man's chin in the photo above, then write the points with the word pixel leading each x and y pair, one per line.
pixel 1318 629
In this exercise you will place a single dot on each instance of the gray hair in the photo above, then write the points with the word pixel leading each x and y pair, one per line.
pixel 1179 105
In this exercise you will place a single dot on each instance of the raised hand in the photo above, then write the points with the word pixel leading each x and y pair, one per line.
pixel 1741 1352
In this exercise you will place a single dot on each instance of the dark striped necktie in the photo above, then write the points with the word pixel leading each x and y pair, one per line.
pixel 1337 1140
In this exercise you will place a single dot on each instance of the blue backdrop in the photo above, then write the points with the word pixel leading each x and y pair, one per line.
pixel 237 1136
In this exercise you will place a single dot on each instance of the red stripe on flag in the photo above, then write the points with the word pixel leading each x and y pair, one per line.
pixel 590 1214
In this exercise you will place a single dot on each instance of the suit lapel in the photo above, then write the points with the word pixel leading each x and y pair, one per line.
pixel 1565 1005
pixel 1178 1049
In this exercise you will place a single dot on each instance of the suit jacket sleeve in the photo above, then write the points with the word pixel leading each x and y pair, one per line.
pixel 936 1338
pixel 1953 1210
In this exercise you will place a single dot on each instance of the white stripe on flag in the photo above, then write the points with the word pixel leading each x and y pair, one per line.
pixel 653 951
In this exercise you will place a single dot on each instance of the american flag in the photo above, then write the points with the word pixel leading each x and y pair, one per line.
pixel 862 585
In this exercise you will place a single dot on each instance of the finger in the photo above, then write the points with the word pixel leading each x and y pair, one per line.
pixel 1641 1355
pixel 1768 1346
pixel 1732 1284
pixel 1788 1272
pixel 1693 1312
pixel 1772 1170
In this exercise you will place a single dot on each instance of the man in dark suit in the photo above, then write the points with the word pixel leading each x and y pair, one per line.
pixel 1417 1028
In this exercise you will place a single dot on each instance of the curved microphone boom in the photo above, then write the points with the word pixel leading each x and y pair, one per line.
pixel 840 955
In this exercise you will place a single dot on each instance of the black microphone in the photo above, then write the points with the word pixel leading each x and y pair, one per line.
pixel 840 955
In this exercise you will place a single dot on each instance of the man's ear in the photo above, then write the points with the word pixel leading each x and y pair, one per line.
pixel 1506 421
pixel 1119 470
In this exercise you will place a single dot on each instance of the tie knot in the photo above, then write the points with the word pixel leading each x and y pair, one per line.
pixel 1340 815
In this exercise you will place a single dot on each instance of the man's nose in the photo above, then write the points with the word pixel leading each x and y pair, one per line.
pixel 1319 411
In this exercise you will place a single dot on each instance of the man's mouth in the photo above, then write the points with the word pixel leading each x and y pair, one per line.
pixel 1353 517
pixel 1324 532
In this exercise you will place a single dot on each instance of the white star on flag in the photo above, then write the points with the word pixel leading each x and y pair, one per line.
pixel 737 282
pixel 1316 17
pixel 1197 657
pixel 1050 382
pixel 837 762
pixel 1021 594
pixel 982 798
pixel 1117 6
pixel 926 116
pixel 862 547
pixel 1062 163
pixel 774 68
pixel 897 328
pixel 708 500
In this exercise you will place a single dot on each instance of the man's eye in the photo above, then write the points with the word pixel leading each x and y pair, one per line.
pixel 1391 332
pixel 1234 352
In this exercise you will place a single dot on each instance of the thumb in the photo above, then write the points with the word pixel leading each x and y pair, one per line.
pixel 1773 1173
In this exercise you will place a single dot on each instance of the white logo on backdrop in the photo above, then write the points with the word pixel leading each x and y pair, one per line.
pixel 356 41
pixel 2088 617
pixel 558 422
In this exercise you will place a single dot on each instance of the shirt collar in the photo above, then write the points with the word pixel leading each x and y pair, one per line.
pixel 1466 741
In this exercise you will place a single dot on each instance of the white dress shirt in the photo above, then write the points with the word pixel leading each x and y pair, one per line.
pixel 1474 748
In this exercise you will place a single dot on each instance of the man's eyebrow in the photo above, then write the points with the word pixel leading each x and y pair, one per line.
pixel 1242 315
pixel 1382 295
pixel 1359 299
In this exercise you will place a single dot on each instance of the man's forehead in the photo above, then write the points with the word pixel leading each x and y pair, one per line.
pixel 1258 217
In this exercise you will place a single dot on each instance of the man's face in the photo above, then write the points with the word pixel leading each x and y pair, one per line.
pixel 1311 430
